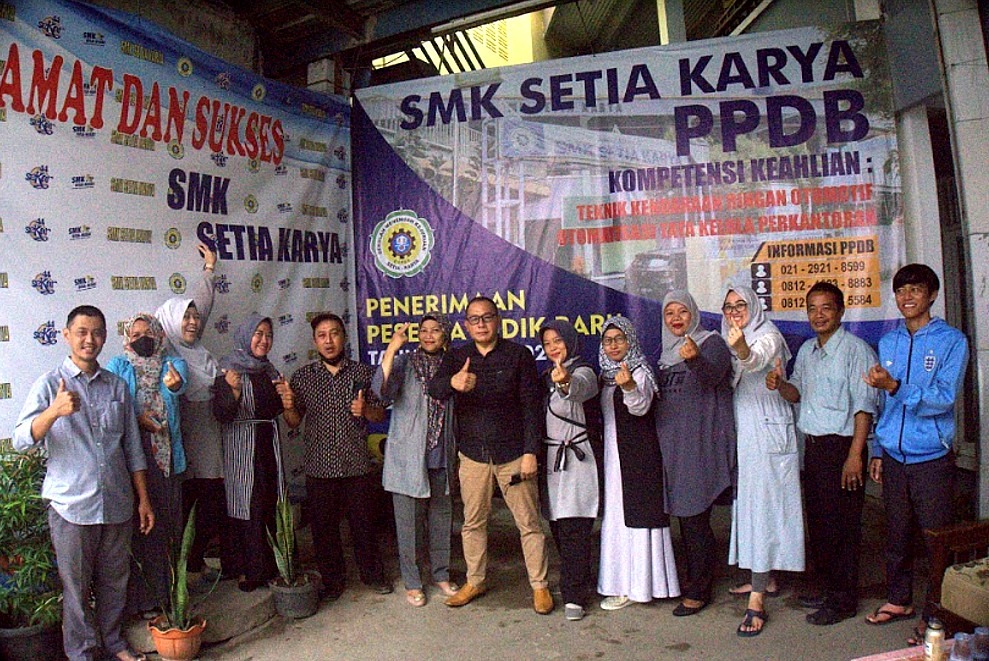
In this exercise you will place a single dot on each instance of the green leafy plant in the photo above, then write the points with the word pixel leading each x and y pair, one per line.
pixel 178 609
pixel 283 544
pixel 30 592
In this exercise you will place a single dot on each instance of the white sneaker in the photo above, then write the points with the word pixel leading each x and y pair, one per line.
pixel 615 603
pixel 573 612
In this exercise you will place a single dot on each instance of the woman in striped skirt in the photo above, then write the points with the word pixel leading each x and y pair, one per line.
pixel 248 398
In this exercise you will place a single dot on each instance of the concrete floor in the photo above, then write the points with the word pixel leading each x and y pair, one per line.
pixel 501 625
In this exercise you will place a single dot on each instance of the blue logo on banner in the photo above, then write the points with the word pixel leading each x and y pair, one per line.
pixel 37 229
pixel 222 284
pixel 219 159
pixel 341 181
pixel 81 232
pixel 343 215
pixel 39 177
pixel 44 283
pixel 47 334
pixel 51 26
pixel 85 283
pixel 285 320
pixel 222 324
pixel 42 124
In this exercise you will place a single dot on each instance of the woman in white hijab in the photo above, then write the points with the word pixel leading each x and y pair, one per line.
pixel 767 523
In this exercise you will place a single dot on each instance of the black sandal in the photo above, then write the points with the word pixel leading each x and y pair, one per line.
pixel 751 614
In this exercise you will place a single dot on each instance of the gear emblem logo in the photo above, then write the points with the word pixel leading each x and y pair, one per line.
pixel 401 244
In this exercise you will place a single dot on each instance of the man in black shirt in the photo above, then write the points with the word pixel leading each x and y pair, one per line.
pixel 496 388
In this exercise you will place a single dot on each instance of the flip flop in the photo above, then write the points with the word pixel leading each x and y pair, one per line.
pixel 415 598
pixel 751 614
pixel 890 616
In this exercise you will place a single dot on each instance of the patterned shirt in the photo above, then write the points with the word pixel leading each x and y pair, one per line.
pixel 91 453
pixel 335 440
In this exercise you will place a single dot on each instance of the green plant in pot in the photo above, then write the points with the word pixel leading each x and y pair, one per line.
pixel 296 593
pixel 30 591
pixel 178 633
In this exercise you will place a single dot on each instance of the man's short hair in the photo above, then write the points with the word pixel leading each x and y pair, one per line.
pixel 828 288
pixel 484 299
pixel 85 311
pixel 324 317
pixel 917 274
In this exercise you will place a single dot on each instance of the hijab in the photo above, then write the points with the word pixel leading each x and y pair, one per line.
pixel 759 324
pixel 147 378
pixel 672 343
pixel 425 366
pixel 203 368
pixel 571 339
pixel 635 358
pixel 241 359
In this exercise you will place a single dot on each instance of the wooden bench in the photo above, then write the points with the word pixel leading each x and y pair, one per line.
pixel 956 544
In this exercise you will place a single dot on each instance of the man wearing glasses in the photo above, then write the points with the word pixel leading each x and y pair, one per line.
pixel 496 389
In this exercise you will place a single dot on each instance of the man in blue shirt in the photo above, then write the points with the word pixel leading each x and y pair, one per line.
pixel 84 419
pixel 836 411
pixel 920 373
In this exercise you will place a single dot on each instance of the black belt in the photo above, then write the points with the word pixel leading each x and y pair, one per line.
pixel 560 463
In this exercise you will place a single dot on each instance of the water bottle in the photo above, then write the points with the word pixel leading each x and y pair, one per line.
pixel 980 644
pixel 934 641
pixel 962 649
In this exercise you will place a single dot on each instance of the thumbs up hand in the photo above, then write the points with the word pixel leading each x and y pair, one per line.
pixel 776 376
pixel 689 350
pixel 623 378
pixel 172 379
pixel 560 374
pixel 357 406
pixel 66 401
pixel 464 380
pixel 285 392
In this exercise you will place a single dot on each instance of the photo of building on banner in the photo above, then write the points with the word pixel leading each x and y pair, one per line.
pixel 598 184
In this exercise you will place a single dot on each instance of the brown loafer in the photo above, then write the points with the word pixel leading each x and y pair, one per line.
pixel 465 595
pixel 542 601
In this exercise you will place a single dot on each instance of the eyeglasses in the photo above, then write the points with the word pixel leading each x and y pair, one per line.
pixel 616 341
pixel 728 308
pixel 475 320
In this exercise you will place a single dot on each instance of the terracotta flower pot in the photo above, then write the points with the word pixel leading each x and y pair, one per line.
pixel 177 644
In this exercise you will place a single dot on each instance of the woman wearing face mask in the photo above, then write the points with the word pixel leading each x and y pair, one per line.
pixel 695 422
pixel 637 563
pixel 570 498
pixel 184 320
pixel 156 379
pixel 247 399
pixel 420 459
pixel 767 523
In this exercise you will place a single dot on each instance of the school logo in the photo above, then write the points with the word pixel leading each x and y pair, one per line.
pixel 51 26
pixel 285 283
pixel 79 233
pixel 83 131
pixel 930 361
pixel 222 80
pixel 42 124
pixel 176 283
pixel 222 284
pixel 47 334
pixel 253 165
pixel 184 66
pixel 85 283
pixel 83 181
pixel 343 215
pixel 173 238
pixel 281 170
pixel 340 152
pixel 257 283
pixel 93 39
pixel 285 320
pixel 341 181
pixel 39 177
pixel 259 92
pixel 176 150
pixel 219 159
pixel 44 284
pixel 401 244
pixel 345 284
pixel 222 325
pixel 290 358
pixel 37 229
pixel 251 204
pixel 284 207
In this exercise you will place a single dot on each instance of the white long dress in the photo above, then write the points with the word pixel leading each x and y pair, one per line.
pixel 767 521
pixel 637 563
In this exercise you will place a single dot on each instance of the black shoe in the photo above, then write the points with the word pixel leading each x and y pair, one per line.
pixel 381 587
pixel 828 615
pixel 811 601
pixel 683 610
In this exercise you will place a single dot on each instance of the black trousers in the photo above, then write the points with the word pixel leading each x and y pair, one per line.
pixel 700 551
pixel 574 542
pixel 251 554
pixel 914 495
pixel 329 499
pixel 834 519
pixel 211 521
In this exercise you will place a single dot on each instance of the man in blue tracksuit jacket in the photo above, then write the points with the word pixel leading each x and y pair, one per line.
pixel 921 368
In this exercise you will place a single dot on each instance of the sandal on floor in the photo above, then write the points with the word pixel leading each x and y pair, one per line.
pixel 888 616
pixel 450 589
pixel 750 615
pixel 415 598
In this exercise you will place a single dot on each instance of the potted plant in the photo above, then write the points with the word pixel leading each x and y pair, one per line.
pixel 296 593
pixel 178 634
pixel 30 592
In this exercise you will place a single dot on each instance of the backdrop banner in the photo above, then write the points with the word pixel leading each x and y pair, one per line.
pixel 122 148
pixel 592 186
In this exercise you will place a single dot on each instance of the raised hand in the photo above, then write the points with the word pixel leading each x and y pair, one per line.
pixel 736 338
pixel 209 257
pixel 66 401
pixel 233 379
pixel 399 337
pixel 879 377
pixel 689 350
pixel 560 374
pixel 464 380
pixel 776 376
pixel 357 406
pixel 623 377
pixel 172 379
pixel 285 392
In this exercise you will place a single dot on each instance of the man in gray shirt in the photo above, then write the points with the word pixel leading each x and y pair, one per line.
pixel 836 411
pixel 84 418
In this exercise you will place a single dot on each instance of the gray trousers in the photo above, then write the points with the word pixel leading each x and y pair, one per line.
pixel 95 560
pixel 438 512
